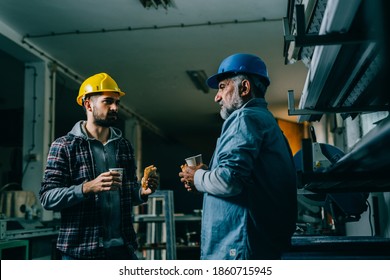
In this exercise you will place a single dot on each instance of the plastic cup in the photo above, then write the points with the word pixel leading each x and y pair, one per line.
pixel 119 170
pixel 194 160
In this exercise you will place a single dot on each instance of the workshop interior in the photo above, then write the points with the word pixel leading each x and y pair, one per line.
pixel 327 61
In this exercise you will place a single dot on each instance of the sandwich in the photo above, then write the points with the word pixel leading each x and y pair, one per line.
pixel 183 167
pixel 149 171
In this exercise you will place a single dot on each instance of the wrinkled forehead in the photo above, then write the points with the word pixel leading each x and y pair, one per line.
pixel 228 80
pixel 226 76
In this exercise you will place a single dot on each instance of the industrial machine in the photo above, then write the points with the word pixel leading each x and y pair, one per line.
pixel 23 233
pixel 324 212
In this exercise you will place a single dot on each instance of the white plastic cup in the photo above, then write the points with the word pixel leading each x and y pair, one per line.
pixel 119 170
pixel 194 160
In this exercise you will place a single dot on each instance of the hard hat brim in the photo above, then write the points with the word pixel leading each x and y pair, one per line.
pixel 80 98
pixel 213 81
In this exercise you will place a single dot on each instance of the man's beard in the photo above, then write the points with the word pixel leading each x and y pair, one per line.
pixel 235 103
pixel 108 121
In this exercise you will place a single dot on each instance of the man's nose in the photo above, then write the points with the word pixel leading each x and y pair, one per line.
pixel 114 107
pixel 217 97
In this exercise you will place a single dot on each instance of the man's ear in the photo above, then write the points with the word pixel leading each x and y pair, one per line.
pixel 87 105
pixel 245 88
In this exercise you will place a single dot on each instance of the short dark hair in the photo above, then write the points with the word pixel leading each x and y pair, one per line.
pixel 88 96
pixel 258 84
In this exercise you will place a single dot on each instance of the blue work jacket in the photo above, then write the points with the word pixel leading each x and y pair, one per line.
pixel 250 203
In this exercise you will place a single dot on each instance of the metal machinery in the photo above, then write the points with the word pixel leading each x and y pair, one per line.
pixel 28 239
pixel 23 234
pixel 324 212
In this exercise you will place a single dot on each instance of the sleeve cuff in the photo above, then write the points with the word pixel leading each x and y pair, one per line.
pixel 198 179
pixel 78 191
pixel 141 199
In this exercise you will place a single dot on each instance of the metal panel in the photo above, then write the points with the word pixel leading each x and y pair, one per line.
pixel 156 218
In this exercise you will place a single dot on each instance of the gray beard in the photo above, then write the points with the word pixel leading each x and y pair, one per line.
pixel 224 113
pixel 236 103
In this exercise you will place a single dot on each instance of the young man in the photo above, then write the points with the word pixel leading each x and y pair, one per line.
pixel 249 206
pixel 95 204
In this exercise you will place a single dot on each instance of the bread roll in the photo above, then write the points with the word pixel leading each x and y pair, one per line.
pixel 183 167
pixel 148 171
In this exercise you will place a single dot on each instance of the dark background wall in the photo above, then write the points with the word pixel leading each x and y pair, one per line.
pixel 11 117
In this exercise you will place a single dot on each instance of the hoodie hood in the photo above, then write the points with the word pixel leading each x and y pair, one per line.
pixel 79 131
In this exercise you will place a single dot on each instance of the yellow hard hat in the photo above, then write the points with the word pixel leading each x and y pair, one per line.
pixel 97 83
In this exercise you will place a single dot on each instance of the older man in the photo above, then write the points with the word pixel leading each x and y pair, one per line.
pixel 249 206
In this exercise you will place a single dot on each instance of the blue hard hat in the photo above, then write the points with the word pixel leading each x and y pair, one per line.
pixel 239 63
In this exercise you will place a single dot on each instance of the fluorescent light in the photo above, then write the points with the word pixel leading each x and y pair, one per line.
pixel 199 77
pixel 156 3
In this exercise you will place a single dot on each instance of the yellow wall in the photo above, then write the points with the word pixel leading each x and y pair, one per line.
pixel 294 133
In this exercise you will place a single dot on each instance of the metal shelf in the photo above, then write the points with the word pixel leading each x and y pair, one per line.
pixel 20 228
pixel 345 76
pixel 345 64
pixel 19 249
pixel 338 247
pixel 161 209
pixel 293 111
pixel 148 218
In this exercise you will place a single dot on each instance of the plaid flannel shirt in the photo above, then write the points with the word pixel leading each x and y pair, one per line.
pixel 70 163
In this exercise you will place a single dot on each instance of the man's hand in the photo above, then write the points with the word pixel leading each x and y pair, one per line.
pixel 151 183
pixel 187 176
pixel 107 181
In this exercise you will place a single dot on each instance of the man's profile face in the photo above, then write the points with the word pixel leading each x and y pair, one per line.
pixel 228 97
